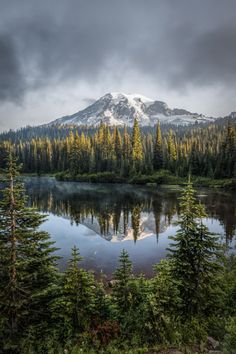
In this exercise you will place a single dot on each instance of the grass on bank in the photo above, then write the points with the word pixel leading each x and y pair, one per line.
pixel 157 178
pixel 162 177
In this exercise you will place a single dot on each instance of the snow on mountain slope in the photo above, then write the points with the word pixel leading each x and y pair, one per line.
pixel 120 109
pixel 147 228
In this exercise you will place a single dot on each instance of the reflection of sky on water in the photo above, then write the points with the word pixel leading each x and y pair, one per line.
pixel 100 254
pixel 102 219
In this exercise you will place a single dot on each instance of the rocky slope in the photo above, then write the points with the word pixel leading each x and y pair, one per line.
pixel 121 109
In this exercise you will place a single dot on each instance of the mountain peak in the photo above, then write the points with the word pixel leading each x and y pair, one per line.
pixel 136 96
pixel 117 108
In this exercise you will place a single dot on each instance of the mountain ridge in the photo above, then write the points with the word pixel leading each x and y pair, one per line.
pixel 121 109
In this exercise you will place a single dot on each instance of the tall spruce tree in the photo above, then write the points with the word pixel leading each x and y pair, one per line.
pixel 122 290
pixel 172 153
pixel 158 150
pixel 126 153
pixel 74 156
pixel 228 157
pixel 195 255
pixel 117 148
pixel 137 149
pixel 27 265
pixel 77 303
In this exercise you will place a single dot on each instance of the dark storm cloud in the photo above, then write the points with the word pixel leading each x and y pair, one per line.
pixel 190 58
pixel 178 43
pixel 213 56
pixel 11 79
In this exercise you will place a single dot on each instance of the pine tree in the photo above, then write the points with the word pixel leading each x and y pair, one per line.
pixel 102 304
pixel 195 253
pixel 180 150
pixel 75 156
pixel 228 157
pixel 126 153
pixel 27 266
pixel 172 153
pixel 130 298
pixel 122 289
pixel 117 148
pixel 137 149
pixel 3 155
pixel 162 302
pixel 78 302
pixel 158 150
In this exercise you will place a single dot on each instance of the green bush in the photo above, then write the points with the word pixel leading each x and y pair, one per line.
pixel 217 183
pixel 160 177
pixel 100 177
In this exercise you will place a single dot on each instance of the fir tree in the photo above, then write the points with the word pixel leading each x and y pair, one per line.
pixel 126 153
pixel 122 290
pixel 118 148
pixel 228 157
pixel 27 266
pixel 172 153
pixel 195 255
pixel 78 297
pixel 137 149
pixel 75 156
pixel 157 151
pixel 162 303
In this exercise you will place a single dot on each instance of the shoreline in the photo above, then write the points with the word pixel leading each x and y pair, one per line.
pixel 145 180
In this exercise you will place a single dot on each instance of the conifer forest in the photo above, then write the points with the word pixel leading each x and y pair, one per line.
pixel 188 301
pixel 117 177
pixel 115 154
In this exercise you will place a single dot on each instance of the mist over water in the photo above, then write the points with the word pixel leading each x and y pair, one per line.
pixel 102 219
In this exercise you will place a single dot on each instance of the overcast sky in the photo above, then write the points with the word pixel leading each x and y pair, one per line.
pixel 58 55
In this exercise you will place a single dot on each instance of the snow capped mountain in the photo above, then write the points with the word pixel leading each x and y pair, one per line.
pixel 147 228
pixel 120 109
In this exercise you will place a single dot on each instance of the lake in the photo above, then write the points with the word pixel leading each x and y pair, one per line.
pixel 103 219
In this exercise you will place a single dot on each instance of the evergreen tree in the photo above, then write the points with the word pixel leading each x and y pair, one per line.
pixel 75 156
pixel 118 148
pixel 137 149
pixel 228 157
pixel 77 302
pixel 162 303
pixel 172 153
pixel 27 266
pixel 122 289
pixel 158 150
pixel 82 150
pixel 102 308
pixel 3 155
pixel 126 153
pixel 195 254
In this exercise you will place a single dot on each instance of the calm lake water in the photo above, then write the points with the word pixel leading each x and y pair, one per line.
pixel 102 219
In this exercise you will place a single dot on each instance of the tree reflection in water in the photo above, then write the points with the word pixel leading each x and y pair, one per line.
pixel 123 210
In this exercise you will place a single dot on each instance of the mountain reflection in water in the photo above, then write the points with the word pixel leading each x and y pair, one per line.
pixel 124 214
